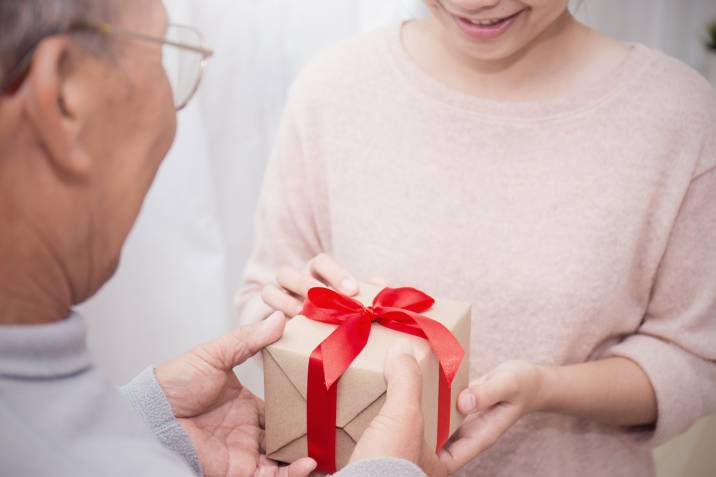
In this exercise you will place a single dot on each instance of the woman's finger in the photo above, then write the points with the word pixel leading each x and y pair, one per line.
pixel 477 434
pixel 379 281
pixel 323 267
pixel 296 282
pixel 280 300
pixel 488 391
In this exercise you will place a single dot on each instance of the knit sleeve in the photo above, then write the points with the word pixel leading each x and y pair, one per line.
pixel 148 400
pixel 380 467
pixel 287 218
pixel 676 342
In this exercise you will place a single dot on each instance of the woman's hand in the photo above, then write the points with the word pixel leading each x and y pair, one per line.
pixel 223 419
pixel 292 285
pixel 613 391
pixel 493 404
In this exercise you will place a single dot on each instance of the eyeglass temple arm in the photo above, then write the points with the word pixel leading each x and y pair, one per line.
pixel 106 28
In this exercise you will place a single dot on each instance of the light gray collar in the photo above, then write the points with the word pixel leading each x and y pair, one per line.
pixel 44 351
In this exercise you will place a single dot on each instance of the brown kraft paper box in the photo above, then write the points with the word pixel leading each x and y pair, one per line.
pixel 361 389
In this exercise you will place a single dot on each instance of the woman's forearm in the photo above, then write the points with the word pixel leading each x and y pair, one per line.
pixel 613 391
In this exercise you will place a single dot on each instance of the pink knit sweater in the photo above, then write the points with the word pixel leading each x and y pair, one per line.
pixel 578 228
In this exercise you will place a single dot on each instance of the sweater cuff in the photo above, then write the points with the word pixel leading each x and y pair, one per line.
pixel 147 398
pixel 379 467
pixel 671 371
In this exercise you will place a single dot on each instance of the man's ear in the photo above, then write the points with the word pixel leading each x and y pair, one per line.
pixel 53 106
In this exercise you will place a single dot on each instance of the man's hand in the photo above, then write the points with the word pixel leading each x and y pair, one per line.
pixel 397 431
pixel 223 419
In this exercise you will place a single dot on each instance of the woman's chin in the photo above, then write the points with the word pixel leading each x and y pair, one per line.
pixel 487 53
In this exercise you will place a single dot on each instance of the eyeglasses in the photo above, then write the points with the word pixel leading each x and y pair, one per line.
pixel 184 57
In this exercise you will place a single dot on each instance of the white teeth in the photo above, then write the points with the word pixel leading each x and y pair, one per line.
pixel 485 22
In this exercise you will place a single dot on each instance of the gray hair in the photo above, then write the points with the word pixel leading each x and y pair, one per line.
pixel 24 23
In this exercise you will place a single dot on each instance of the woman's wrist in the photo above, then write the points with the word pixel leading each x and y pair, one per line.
pixel 612 391
pixel 547 390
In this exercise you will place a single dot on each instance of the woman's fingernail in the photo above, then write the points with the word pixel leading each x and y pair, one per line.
pixel 268 324
pixel 349 286
pixel 467 402
pixel 273 317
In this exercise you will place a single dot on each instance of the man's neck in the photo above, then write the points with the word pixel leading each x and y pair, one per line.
pixel 22 310
pixel 34 288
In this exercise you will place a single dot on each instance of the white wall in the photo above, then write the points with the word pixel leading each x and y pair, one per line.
pixel 184 258
pixel 677 27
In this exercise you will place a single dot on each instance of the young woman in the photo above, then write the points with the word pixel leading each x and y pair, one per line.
pixel 502 153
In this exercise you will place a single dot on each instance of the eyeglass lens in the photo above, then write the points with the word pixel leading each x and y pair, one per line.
pixel 183 66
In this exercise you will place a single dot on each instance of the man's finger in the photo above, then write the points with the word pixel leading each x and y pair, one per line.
pixel 261 411
pixel 403 379
pixel 397 430
pixel 233 349
pixel 281 301
pixel 296 282
pixel 300 468
pixel 325 268
pixel 477 434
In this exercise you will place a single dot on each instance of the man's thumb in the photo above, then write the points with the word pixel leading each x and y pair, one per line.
pixel 234 348
pixel 403 378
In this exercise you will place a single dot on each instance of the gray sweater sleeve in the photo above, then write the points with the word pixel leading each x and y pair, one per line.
pixel 149 401
pixel 381 467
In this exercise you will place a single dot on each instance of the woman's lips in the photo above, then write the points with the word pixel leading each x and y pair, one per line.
pixel 486 29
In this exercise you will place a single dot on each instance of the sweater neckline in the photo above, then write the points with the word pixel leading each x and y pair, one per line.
pixel 44 351
pixel 629 71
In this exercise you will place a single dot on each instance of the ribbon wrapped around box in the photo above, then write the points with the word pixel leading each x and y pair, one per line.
pixel 324 382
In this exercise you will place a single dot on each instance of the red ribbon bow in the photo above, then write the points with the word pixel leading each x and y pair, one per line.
pixel 394 308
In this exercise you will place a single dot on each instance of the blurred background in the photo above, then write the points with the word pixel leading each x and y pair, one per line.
pixel 184 259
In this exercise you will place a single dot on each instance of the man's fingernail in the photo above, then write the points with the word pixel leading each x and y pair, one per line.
pixel 467 402
pixel 401 346
pixel 349 286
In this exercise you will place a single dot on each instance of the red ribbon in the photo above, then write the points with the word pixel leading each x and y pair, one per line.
pixel 394 308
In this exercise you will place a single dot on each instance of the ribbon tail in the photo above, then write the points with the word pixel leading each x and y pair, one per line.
pixel 321 415
pixel 444 408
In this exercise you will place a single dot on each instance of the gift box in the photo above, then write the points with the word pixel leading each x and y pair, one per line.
pixel 308 415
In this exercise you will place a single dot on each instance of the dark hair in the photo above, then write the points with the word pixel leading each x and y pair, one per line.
pixel 24 23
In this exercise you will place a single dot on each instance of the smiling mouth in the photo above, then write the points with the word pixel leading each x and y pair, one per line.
pixel 488 21
pixel 485 28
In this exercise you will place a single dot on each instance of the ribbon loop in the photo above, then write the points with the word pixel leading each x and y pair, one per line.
pixel 394 308
pixel 406 298
pixel 327 306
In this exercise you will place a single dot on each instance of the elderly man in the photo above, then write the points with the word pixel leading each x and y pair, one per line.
pixel 87 113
